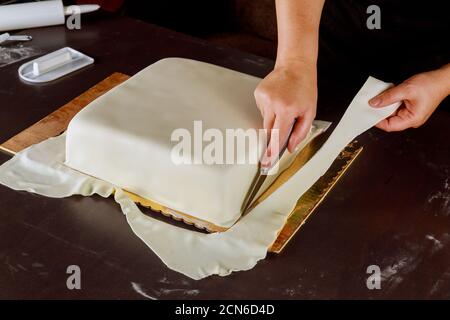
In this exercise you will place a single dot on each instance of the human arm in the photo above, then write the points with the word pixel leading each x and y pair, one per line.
pixel 289 92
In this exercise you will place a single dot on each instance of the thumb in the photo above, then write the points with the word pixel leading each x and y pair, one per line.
pixel 388 97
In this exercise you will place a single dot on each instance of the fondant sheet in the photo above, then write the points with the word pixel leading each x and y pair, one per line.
pixel 40 169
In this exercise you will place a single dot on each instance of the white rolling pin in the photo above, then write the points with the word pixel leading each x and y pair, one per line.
pixel 37 14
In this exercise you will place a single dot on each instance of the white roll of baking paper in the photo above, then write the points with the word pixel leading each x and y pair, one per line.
pixel 31 15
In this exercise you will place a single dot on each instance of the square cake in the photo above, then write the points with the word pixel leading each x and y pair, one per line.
pixel 124 136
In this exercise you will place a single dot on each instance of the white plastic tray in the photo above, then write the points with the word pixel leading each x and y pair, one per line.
pixel 54 65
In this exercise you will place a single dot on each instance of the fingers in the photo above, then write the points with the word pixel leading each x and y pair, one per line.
pixel 268 121
pixel 390 96
pixel 401 120
pixel 300 130
pixel 278 137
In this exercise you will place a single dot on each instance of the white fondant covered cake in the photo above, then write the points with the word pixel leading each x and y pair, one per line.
pixel 124 137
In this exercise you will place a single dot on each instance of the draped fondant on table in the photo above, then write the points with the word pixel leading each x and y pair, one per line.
pixel 40 169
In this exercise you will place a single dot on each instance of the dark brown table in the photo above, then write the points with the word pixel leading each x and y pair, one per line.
pixel 392 208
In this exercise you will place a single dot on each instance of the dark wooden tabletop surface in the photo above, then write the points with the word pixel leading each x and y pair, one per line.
pixel 391 209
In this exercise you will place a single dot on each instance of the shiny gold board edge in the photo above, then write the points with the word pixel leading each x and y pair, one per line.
pixel 311 199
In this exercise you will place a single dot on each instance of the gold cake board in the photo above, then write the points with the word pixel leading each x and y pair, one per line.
pixel 57 122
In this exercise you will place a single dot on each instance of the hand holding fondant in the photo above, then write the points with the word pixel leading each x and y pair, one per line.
pixel 420 94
